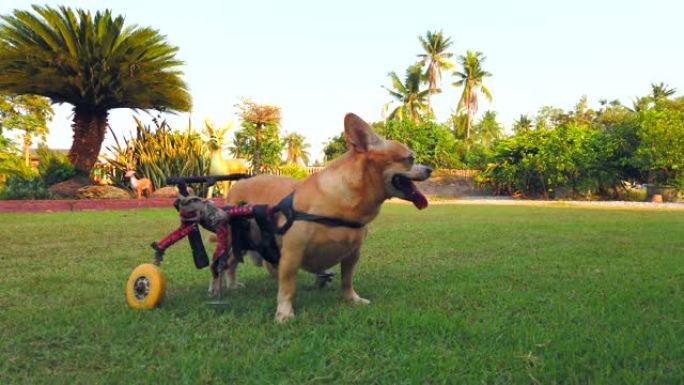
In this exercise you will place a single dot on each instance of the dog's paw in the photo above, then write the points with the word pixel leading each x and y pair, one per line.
pixel 214 289
pixel 357 300
pixel 360 301
pixel 235 285
pixel 284 313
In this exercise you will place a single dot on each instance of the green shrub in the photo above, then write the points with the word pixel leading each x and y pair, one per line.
pixel 54 167
pixel 293 170
pixel 25 187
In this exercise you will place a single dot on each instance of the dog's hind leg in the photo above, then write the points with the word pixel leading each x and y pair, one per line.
pixel 347 269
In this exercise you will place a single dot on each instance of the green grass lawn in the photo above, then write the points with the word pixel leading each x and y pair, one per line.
pixel 460 294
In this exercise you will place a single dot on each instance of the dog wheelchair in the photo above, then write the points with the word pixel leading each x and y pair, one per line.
pixel 147 284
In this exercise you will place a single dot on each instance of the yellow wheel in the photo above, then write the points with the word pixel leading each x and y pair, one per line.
pixel 145 287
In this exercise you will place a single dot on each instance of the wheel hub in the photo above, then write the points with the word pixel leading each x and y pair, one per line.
pixel 141 288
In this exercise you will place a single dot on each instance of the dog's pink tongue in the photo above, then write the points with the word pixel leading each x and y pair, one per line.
pixel 419 200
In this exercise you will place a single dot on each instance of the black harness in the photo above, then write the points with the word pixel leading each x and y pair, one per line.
pixel 266 218
pixel 286 207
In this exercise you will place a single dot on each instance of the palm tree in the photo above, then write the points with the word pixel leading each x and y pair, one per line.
pixel 487 130
pixel 260 115
pixel 471 80
pixel 410 96
pixel 296 148
pixel 661 91
pixel 435 58
pixel 93 63
pixel 523 124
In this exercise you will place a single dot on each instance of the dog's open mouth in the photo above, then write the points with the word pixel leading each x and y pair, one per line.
pixel 410 191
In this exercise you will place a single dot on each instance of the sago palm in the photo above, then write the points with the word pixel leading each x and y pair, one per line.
pixel 296 148
pixel 412 100
pixel 435 58
pixel 92 62
pixel 471 79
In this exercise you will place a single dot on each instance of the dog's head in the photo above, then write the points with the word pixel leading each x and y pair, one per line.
pixel 393 160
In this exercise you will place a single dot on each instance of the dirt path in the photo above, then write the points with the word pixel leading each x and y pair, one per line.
pixel 525 202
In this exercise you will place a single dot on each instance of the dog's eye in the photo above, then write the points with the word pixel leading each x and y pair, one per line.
pixel 410 159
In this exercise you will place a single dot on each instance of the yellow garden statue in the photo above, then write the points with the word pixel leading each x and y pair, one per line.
pixel 217 164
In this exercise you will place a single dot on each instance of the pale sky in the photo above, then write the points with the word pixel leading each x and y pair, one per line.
pixel 318 60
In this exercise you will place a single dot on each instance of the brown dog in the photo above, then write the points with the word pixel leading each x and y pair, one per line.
pixel 352 189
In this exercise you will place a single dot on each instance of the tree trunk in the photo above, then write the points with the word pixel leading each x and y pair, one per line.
pixel 27 149
pixel 468 118
pixel 89 130
pixel 257 151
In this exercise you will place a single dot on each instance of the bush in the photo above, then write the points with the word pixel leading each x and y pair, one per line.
pixel 54 167
pixel 293 170
pixel 25 187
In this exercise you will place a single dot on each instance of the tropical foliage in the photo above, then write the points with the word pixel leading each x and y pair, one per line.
pixel 26 183
pixel 335 147
pixel 296 149
pixel 293 170
pixel 27 113
pixel 157 153
pixel 93 62
pixel 587 152
pixel 266 139
pixel 412 100
pixel 434 59
pixel 432 143
pixel 259 139
pixel 471 78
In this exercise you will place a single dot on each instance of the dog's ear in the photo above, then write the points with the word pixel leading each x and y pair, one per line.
pixel 358 134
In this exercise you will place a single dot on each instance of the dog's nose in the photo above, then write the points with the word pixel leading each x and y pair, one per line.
pixel 428 170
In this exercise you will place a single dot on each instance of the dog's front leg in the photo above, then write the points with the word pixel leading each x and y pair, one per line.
pixel 230 274
pixel 347 267
pixel 290 261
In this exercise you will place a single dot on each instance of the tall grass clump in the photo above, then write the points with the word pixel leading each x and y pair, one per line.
pixel 157 153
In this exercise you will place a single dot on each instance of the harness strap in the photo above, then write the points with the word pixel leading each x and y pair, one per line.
pixel 286 207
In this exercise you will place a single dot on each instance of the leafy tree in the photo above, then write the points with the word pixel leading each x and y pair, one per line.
pixel 471 79
pixel 411 98
pixel 27 113
pixel 270 145
pixel 92 62
pixel 10 162
pixel 547 118
pixel 660 154
pixel 258 118
pixel 435 59
pixel 296 149
pixel 487 130
pixel 432 143
pixel 612 113
pixel 335 147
